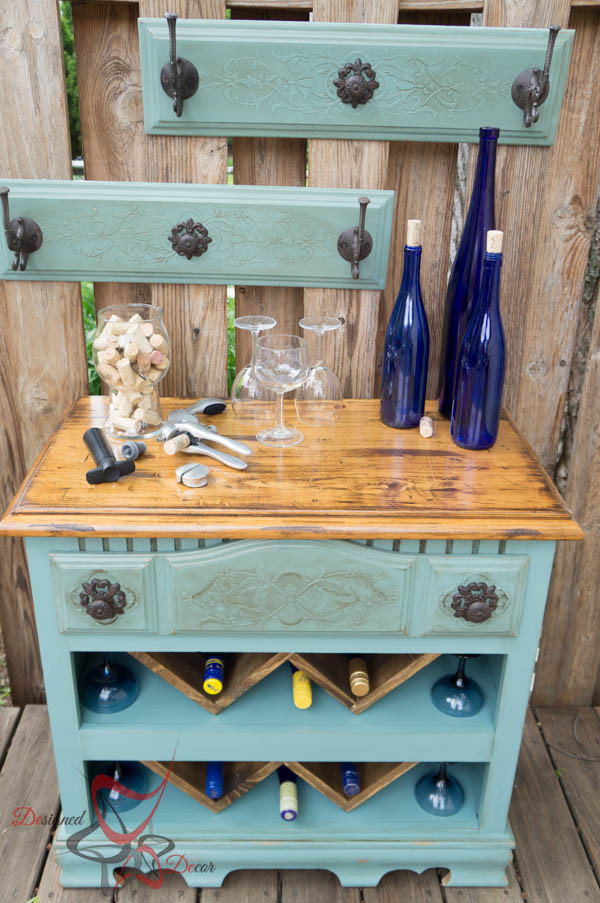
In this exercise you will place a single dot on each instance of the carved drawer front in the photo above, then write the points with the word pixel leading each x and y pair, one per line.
pixel 473 594
pixel 289 587
pixel 107 592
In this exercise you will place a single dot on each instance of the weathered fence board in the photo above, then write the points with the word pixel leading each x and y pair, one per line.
pixel 37 383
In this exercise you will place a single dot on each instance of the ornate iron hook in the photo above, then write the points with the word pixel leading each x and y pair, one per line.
pixel 179 78
pixel 356 243
pixel 530 88
pixel 23 235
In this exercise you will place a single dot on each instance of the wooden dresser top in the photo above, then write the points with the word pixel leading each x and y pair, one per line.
pixel 357 479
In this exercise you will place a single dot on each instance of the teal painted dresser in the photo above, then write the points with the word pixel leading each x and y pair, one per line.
pixel 360 541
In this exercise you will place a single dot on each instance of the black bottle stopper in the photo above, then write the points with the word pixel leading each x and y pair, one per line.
pixel 109 470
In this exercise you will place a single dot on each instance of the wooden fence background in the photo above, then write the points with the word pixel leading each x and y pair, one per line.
pixel 546 203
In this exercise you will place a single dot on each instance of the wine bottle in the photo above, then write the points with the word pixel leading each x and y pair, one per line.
pixel 288 793
pixel 212 682
pixel 465 277
pixel 301 688
pixel 214 783
pixel 406 349
pixel 480 376
pixel 358 676
pixel 350 778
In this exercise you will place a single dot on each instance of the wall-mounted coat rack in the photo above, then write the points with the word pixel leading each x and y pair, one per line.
pixel 226 234
pixel 331 80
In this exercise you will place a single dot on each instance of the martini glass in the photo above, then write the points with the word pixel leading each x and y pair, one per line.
pixel 319 400
pixel 249 399
pixel 440 794
pixel 456 694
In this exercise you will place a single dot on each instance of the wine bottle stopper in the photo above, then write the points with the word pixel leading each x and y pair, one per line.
pixel 131 450
pixel 494 241
pixel 108 469
pixel 212 682
pixel 288 794
pixel 358 676
pixel 350 778
pixel 426 427
pixel 301 688
pixel 413 233
pixel 214 785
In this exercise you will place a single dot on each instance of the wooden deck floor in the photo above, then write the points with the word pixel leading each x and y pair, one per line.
pixel 555 816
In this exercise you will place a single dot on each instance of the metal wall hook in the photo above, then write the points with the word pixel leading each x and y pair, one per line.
pixel 356 243
pixel 179 78
pixel 23 235
pixel 530 88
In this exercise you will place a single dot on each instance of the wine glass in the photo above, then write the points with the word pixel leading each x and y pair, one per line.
pixel 456 694
pixel 130 775
pixel 319 400
pixel 281 365
pixel 108 688
pixel 440 794
pixel 249 399
pixel 132 354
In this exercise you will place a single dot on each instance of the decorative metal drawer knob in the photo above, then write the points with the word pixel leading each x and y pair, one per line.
pixel 102 600
pixel 356 83
pixel 475 602
pixel 189 239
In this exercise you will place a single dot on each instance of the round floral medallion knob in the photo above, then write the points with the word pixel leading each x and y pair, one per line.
pixel 475 602
pixel 356 83
pixel 102 600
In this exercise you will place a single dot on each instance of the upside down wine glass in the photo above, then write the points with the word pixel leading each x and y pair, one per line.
pixel 281 364
pixel 249 399
pixel 456 694
pixel 439 793
pixel 319 400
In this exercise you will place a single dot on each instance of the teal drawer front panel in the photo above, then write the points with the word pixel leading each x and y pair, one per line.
pixel 307 587
pixel 119 232
pixel 274 78
pixel 472 595
pixel 118 592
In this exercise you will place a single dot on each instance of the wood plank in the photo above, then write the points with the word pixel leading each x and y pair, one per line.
pixel 302 886
pixel 502 494
pixel 577 731
pixel 244 887
pixel 406 886
pixel 50 890
pixel 510 894
pixel 36 388
pixel 551 858
pixel 469 6
pixel 27 779
pixel 268 161
pixel 196 314
pixel 9 716
pixel 353 353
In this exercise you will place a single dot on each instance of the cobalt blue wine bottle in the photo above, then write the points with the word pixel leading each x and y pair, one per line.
pixel 406 350
pixel 480 377
pixel 465 277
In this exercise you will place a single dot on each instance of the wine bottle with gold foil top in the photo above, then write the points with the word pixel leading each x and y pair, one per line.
pixel 358 676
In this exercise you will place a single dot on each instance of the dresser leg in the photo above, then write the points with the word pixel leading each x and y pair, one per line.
pixel 483 874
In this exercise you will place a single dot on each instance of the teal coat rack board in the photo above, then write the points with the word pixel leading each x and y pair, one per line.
pixel 120 232
pixel 435 83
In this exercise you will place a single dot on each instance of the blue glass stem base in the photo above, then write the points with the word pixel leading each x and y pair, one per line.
pixel 440 794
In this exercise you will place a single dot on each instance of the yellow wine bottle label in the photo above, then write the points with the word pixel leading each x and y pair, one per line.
pixel 288 800
pixel 358 676
pixel 301 690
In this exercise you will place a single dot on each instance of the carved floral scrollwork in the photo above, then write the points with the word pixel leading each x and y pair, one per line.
pixel 254 599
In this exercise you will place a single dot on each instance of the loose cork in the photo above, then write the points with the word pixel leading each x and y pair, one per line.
pixel 494 241
pixel 413 233
pixel 177 443
pixel 426 427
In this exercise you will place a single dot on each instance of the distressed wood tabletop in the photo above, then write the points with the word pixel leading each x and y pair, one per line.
pixel 357 479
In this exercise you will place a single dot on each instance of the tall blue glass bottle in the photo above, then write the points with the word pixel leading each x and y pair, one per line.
pixel 465 277
pixel 480 373
pixel 406 351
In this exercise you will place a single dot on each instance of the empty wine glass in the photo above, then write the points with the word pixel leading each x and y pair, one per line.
pixel 249 399
pixel 281 364
pixel 440 794
pixel 130 775
pixel 456 694
pixel 108 687
pixel 319 400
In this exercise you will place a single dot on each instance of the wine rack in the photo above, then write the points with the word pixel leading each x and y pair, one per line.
pixel 243 671
pixel 239 778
